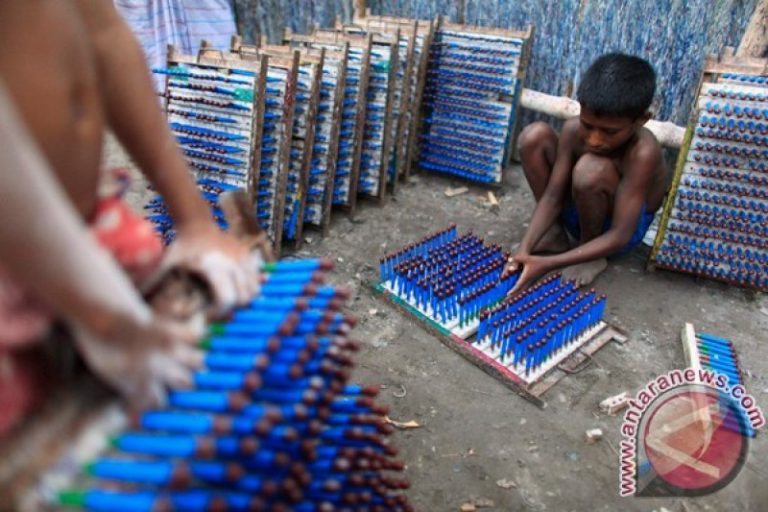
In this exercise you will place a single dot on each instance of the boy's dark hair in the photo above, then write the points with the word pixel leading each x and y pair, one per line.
pixel 619 85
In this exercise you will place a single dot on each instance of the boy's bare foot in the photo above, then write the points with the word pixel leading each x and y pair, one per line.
pixel 554 241
pixel 584 273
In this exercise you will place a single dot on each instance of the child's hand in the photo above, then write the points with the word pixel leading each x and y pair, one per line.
pixel 229 267
pixel 141 357
pixel 514 263
pixel 534 267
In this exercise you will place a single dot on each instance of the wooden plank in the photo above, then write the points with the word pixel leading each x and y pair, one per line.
pixel 362 103
pixel 406 102
pixel 379 21
pixel 391 41
pixel 388 142
pixel 676 178
pixel 486 31
pixel 578 359
pixel 729 63
pixel 522 71
pixel 208 59
pixel 257 130
pixel 533 392
pixel 333 148
pixel 285 153
pixel 309 142
pixel 690 348
pixel 417 110
pixel 341 42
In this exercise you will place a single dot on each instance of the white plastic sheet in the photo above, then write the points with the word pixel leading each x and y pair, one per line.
pixel 183 23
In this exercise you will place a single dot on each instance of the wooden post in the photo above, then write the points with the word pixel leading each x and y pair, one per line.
pixel 755 40
pixel 461 8
pixel 359 8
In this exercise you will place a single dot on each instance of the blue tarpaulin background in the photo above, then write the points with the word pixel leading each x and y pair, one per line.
pixel 674 35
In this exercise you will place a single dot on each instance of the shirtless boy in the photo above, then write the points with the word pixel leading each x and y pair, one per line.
pixel 600 181
pixel 70 69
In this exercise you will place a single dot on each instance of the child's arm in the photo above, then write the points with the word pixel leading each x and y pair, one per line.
pixel 133 113
pixel 48 250
pixel 628 203
pixel 551 203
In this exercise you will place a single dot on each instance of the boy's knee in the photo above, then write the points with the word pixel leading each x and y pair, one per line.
pixel 593 173
pixel 536 135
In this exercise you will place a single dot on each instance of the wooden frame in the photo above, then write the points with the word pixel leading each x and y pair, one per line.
pixel 290 65
pixel 407 91
pixel 533 392
pixel 418 28
pixel 525 54
pixel 252 52
pixel 335 42
pixel 392 42
pixel 211 58
pixel 340 57
pixel 714 66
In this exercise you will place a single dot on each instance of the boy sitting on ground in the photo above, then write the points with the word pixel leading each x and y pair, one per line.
pixel 600 181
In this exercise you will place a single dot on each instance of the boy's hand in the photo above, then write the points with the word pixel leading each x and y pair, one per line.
pixel 229 267
pixel 514 263
pixel 141 357
pixel 534 267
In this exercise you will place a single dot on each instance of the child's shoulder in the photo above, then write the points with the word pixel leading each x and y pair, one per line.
pixel 644 147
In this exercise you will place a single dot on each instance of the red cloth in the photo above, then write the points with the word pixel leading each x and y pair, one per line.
pixel 132 241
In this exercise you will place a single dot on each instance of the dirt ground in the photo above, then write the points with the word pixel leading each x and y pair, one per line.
pixel 475 432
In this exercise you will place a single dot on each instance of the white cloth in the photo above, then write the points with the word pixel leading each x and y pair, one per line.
pixel 182 23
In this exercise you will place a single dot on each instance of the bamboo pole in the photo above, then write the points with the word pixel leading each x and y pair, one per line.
pixel 754 43
pixel 667 133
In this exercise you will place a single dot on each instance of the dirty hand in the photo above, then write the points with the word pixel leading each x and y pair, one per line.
pixel 226 264
pixel 533 268
pixel 141 356
pixel 514 263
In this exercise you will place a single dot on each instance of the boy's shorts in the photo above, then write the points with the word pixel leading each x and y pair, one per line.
pixel 570 219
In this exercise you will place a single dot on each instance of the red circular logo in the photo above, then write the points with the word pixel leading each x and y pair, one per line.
pixel 694 440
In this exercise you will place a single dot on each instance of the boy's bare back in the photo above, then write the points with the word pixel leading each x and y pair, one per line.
pixel 48 67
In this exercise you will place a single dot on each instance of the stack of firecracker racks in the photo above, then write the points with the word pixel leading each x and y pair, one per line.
pixel 376 143
pixel 401 87
pixel 212 109
pixel 275 147
pixel 398 92
pixel 353 108
pixel 473 87
pixel 305 113
pixel 715 221
pixel 319 113
pixel 415 41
